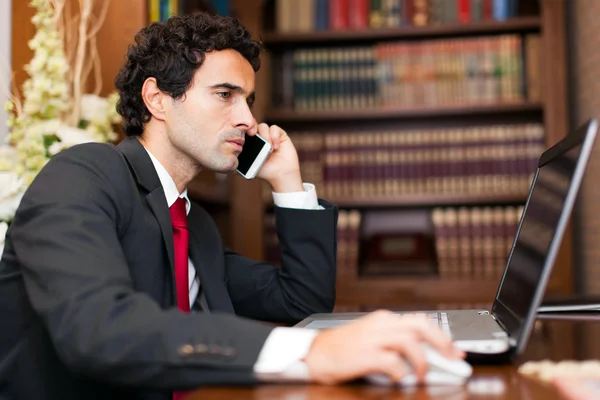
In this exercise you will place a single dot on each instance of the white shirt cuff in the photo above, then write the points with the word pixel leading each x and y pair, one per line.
pixel 306 200
pixel 280 359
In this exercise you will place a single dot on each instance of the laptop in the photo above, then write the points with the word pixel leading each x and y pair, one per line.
pixel 505 329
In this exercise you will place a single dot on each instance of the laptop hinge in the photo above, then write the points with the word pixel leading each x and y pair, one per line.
pixel 512 342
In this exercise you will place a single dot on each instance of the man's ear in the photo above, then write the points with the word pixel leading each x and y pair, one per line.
pixel 154 98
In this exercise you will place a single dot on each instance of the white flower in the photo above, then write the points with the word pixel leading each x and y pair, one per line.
pixel 31 107
pixel 40 128
pixel 3 229
pixel 38 62
pixel 8 158
pixel 93 107
pixel 56 148
pixel 11 192
pixel 41 84
pixel 35 98
pixel 58 89
pixel 70 136
pixel 47 100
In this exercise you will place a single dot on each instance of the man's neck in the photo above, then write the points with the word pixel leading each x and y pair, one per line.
pixel 180 169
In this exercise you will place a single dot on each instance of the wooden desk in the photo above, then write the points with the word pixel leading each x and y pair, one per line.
pixel 552 339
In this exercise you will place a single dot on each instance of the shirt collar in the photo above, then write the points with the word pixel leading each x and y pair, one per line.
pixel 169 187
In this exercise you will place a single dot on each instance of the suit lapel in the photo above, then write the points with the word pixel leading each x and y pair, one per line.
pixel 204 255
pixel 202 247
pixel 146 176
pixel 158 205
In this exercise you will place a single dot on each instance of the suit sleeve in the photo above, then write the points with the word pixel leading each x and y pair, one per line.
pixel 305 284
pixel 66 237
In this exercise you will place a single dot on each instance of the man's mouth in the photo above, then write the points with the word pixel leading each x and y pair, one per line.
pixel 237 143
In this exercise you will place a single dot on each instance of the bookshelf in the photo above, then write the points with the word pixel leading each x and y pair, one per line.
pixel 514 25
pixel 357 291
pixel 426 200
pixel 471 110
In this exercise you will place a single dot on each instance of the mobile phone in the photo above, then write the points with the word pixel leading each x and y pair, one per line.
pixel 254 153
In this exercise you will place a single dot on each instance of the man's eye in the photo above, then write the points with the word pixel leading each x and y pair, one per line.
pixel 224 95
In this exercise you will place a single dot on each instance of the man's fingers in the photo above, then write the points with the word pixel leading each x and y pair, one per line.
pixel 263 131
pixel 272 134
pixel 391 364
pixel 275 133
pixel 428 332
pixel 434 336
pixel 409 347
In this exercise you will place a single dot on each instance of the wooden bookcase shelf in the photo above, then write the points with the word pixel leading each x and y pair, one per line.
pixel 462 110
pixel 423 200
pixel 395 291
pixel 514 25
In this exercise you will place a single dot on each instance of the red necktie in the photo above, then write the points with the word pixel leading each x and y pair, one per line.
pixel 180 241
pixel 180 238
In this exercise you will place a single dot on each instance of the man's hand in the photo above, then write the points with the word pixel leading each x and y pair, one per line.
pixel 379 343
pixel 282 168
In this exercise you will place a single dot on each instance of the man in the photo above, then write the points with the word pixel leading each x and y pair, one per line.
pixel 114 286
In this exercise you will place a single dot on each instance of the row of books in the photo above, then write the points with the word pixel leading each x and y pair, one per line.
pixel 474 242
pixel 463 71
pixel 458 243
pixel 451 71
pixel 162 10
pixel 371 164
pixel 318 15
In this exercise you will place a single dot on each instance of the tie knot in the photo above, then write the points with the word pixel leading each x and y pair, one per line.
pixel 178 213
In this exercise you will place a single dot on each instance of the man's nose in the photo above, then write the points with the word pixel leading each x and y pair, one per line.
pixel 243 117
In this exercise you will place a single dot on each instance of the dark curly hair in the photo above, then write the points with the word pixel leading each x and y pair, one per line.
pixel 171 52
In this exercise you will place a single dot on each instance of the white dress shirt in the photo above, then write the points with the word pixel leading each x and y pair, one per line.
pixel 281 355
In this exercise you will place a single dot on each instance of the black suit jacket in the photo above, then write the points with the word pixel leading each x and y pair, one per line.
pixel 87 293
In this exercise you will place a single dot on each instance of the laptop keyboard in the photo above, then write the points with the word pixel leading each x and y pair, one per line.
pixel 438 318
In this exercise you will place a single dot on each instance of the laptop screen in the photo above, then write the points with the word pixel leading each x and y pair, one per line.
pixel 537 229
pixel 541 218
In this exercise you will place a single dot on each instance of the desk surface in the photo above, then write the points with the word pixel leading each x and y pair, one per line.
pixel 552 339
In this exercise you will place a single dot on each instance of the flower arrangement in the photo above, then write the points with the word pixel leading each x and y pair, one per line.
pixel 54 112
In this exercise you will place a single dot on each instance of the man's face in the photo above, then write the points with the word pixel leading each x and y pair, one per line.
pixel 208 123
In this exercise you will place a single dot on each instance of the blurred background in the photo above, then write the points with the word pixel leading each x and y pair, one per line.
pixel 422 119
